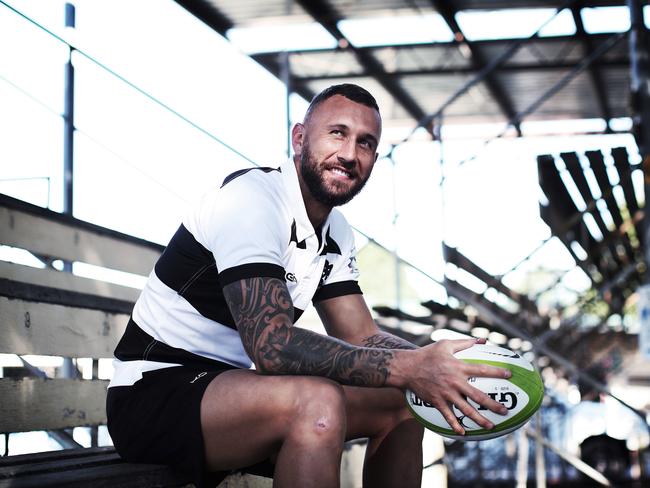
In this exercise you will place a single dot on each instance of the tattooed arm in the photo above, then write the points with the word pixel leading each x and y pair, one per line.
pixel 386 340
pixel 263 312
pixel 348 318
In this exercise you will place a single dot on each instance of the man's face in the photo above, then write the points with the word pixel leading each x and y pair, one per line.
pixel 338 150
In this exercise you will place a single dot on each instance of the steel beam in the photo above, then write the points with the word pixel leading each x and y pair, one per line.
pixel 445 45
pixel 327 16
pixel 448 12
pixel 594 73
pixel 266 59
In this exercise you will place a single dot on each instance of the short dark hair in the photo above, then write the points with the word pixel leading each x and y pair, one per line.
pixel 348 90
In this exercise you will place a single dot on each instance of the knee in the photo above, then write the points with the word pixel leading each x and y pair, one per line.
pixel 319 405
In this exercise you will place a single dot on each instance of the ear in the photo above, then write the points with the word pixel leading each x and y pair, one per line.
pixel 297 138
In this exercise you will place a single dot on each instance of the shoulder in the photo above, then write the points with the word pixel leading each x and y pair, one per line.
pixel 246 190
pixel 249 202
pixel 251 176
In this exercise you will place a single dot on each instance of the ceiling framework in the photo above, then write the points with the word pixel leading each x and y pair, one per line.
pixel 414 81
pixel 448 11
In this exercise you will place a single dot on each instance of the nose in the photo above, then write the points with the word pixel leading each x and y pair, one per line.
pixel 347 153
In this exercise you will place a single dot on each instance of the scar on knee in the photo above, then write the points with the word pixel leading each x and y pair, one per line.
pixel 322 423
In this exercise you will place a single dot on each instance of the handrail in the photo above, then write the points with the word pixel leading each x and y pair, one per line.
pixel 130 84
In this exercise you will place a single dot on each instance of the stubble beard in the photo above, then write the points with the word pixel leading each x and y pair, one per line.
pixel 312 175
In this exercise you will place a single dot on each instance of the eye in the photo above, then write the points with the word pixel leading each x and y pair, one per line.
pixel 336 132
pixel 365 143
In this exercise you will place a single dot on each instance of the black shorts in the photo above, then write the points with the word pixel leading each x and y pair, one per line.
pixel 158 420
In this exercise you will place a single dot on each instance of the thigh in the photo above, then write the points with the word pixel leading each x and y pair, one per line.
pixel 156 420
pixel 370 411
pixel 246 416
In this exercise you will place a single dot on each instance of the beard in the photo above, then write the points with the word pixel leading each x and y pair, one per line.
pixel 334 195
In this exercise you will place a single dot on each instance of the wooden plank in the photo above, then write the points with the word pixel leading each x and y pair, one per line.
pixel 48 329
pixel 10 462
pixel 118 475
pixel 58 296
pixel 35 404
pixel 66 281
pixel 102 465
pixel 37 466
pixel 74 466
pixel 61 240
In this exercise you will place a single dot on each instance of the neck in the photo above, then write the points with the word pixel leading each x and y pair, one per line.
pixel 316 211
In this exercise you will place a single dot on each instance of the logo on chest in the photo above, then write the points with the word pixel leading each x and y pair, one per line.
pixel 327 269
pixel 291 277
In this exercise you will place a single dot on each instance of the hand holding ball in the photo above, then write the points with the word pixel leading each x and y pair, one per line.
pixel 521 394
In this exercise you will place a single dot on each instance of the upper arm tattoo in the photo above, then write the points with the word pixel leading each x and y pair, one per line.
pixel 263 312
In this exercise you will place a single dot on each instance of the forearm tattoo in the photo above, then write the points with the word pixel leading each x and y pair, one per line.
pixel 263 312
pixel 384 340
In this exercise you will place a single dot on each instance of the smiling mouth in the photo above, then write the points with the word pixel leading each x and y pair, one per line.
pixel 342 172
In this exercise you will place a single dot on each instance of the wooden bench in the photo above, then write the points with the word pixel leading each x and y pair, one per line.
pixel 54 313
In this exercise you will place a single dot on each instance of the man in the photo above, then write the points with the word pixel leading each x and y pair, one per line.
pixel 227 291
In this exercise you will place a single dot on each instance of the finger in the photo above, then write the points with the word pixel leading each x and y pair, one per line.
pixel 472 413
pixel 484 400
pixel 460 344
pixel 485 370
pixel 448 414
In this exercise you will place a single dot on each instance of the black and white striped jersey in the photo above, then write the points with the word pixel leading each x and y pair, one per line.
pixel 255 225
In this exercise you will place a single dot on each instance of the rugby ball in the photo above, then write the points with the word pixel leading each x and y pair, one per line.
pixel 522 394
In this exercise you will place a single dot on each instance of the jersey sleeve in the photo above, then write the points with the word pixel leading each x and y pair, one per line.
pixel 340 273
pixel 242 226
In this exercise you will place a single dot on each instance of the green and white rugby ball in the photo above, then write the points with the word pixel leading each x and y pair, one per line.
pixel 522 395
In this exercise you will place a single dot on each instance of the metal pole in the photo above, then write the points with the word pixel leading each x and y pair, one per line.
pixel 286 79
pixel 68 119
pixel 68 368
pixel 640 101
pixel 94 430
pixel 540 467
pixel 398 280
pixel 522 460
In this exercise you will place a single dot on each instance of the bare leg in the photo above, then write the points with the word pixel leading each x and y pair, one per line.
pixel 247 418
pixel 394 452
pixel 302 422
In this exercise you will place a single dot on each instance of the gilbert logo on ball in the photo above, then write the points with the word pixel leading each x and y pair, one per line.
pixel 521 394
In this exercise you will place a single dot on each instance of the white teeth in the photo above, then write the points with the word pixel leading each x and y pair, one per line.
pixel 340 172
